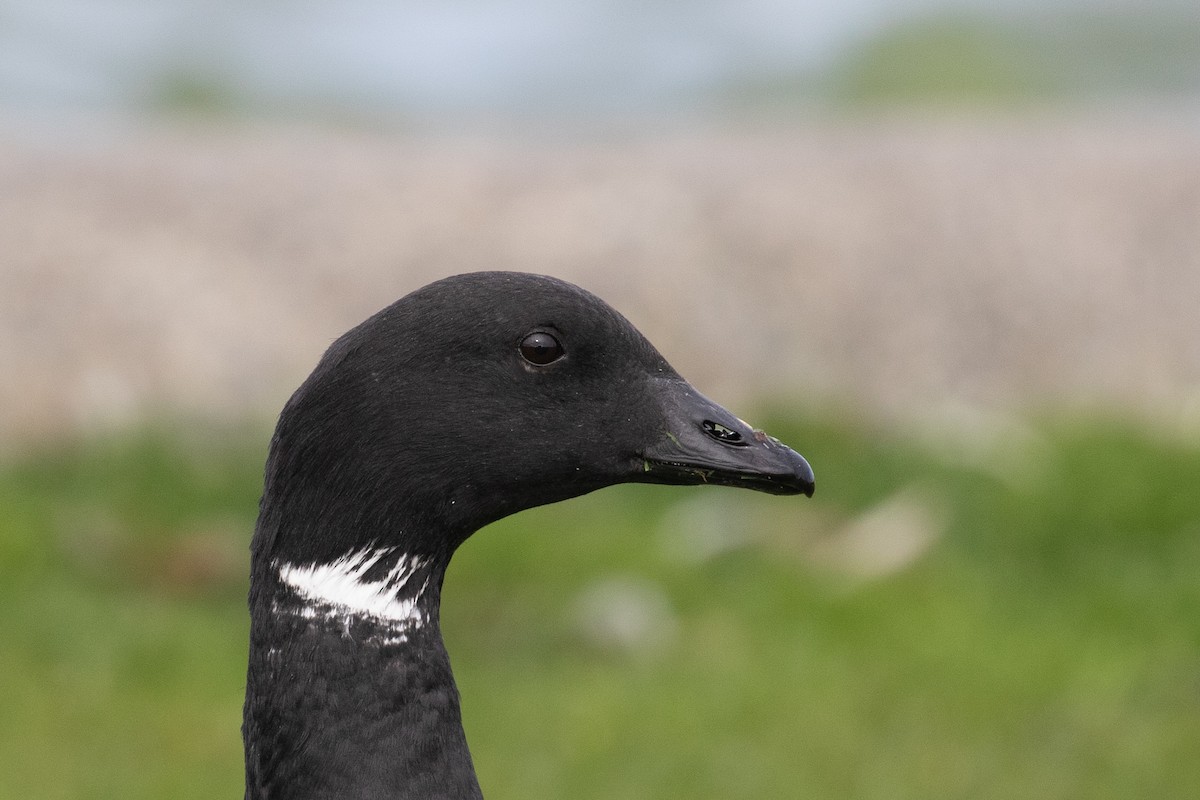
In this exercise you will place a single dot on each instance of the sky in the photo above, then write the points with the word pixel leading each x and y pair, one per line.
pixel 427 58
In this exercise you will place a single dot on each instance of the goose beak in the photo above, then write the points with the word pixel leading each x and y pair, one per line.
pixel 704 443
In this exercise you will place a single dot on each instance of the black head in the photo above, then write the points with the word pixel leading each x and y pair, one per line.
pixel 481 395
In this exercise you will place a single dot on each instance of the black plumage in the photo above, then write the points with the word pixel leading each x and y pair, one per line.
pixel 468 400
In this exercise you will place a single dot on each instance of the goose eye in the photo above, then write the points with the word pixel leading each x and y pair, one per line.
pixel 541 349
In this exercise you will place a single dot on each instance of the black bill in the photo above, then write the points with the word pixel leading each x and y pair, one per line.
pixel 704 443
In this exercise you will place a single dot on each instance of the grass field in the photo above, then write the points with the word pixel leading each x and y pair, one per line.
pixel 1020 620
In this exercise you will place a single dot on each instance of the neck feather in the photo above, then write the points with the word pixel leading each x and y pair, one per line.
pixel 349 691
pixel 379 584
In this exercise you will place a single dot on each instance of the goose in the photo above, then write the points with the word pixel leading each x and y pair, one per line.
pixel 468 400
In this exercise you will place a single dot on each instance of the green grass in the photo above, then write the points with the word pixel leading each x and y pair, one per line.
pixel 960 58
pixel 1045 644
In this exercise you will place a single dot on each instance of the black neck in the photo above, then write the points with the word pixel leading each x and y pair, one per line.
pixel 341 705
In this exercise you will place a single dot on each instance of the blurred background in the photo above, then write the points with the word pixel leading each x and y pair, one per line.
pixel 948 249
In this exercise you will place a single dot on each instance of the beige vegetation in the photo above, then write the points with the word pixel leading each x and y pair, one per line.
pixel 904 268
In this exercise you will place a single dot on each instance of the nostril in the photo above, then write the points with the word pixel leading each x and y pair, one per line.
pixel 722 433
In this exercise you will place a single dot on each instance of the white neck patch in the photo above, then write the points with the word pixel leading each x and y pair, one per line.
pixel 340 587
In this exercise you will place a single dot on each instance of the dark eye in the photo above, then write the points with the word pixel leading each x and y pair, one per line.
pixel 541 349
